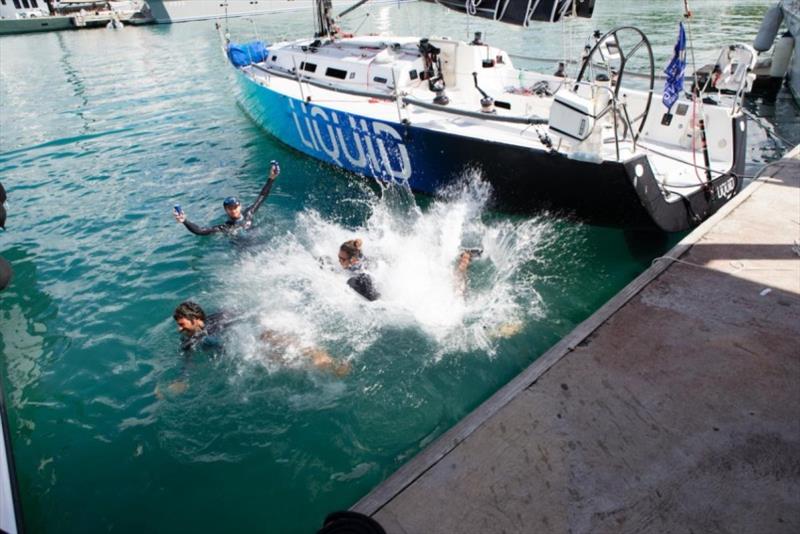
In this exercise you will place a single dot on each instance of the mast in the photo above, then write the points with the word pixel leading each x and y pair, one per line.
pixel 323 17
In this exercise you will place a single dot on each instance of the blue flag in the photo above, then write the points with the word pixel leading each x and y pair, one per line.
pixel 675 71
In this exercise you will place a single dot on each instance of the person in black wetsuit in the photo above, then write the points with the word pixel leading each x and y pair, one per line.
pixel 352 258
pixel 204 332
pixel 200 331
pixel 238 219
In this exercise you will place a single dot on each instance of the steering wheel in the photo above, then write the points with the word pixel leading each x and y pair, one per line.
pixel 612 52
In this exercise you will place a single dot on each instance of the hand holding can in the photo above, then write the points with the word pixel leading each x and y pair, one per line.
pixel 178 212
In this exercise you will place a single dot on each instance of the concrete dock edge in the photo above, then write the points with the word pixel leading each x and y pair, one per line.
pixel 440 448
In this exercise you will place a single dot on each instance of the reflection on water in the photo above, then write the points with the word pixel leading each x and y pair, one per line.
pixel 73 78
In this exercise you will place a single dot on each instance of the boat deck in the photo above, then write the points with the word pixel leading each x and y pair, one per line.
pixel 674 408
pixel 674 166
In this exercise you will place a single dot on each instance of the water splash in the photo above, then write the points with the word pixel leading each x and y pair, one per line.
pixel 295 286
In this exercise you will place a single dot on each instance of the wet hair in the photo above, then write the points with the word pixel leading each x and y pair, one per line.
pixel 189 310
pixel 352 248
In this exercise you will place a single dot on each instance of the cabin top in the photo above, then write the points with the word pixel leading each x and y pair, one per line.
pixel 383 63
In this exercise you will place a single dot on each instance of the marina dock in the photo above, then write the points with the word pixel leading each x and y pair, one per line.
pixel 674 408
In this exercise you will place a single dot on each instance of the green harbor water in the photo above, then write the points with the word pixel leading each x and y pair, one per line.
pixel 114 429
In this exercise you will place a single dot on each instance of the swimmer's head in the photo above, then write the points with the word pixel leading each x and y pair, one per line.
pixel 232 207
pixel 350 252
pixel 190 318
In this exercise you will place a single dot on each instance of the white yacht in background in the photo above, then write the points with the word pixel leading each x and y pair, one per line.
pixel 25 16
pixel 168 11
pixel 30 16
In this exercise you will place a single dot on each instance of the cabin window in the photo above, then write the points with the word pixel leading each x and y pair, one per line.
pixel 501 104
pixel 413 74
pixel 336 73
pixel 25 4
pixel 16 4
pixel 352 75
pixel 3 2
pixel 378 79
pixel 274 58
pixel 308 67
pixel 34 4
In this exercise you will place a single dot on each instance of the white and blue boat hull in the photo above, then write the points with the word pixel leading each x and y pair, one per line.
pixel 522 178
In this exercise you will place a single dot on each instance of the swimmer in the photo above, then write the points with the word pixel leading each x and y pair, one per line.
pixel 505 330
pixel 201 331
pixel 238 219
pixel 352 259
pixel 464 260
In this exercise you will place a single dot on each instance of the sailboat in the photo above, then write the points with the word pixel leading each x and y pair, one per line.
pixel 426 110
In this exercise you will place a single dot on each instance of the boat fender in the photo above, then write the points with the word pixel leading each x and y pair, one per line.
pixel 769 29
pixel 781 56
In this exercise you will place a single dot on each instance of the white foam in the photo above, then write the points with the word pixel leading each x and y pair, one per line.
pixel 412 255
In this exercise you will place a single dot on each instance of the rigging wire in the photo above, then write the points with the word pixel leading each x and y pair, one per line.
pixel 687 14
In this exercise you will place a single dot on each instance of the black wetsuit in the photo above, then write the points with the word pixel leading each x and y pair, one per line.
pixel 361 282
pixel 210 337
pixel 232 225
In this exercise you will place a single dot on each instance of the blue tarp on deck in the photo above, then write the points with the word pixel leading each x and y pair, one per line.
pixel 245 54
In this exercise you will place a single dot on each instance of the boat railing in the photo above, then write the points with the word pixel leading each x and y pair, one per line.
pixel 532 120
pixel 632 74
pixel 729 57
pixel 392 97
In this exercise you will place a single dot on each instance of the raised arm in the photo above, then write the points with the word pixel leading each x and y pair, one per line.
pixel 262 196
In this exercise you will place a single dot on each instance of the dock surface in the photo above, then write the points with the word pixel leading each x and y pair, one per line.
pixel 674 408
